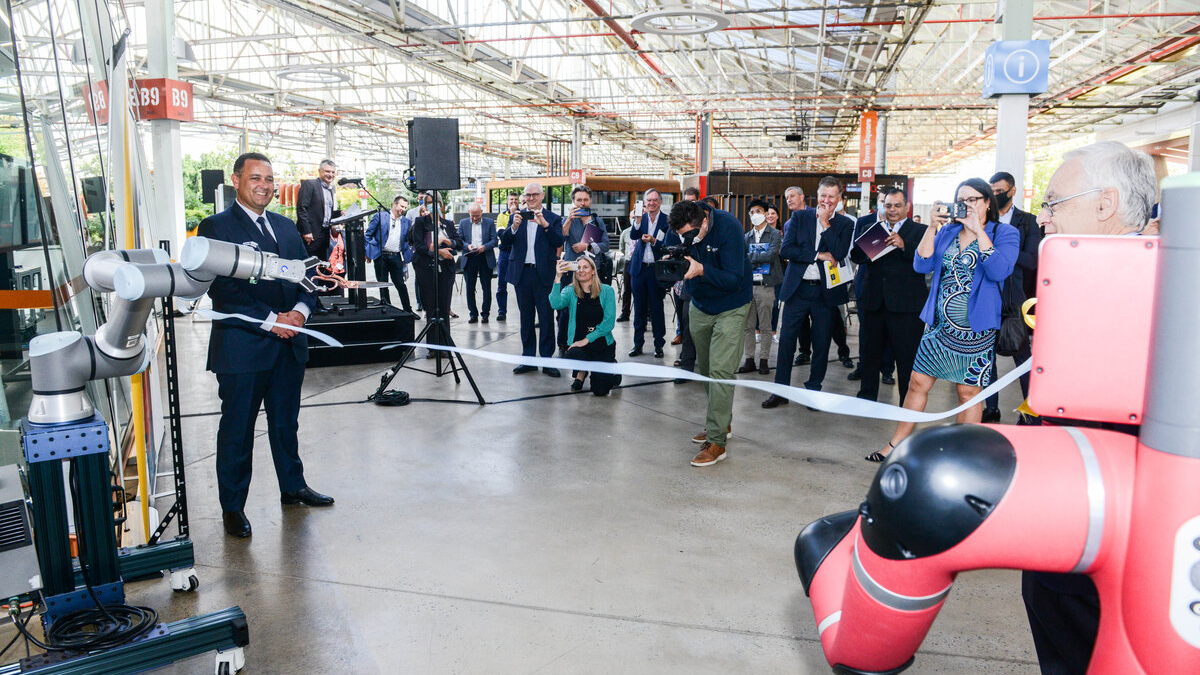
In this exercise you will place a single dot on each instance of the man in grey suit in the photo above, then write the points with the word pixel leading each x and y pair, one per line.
pixel 763 244
pixel 479 241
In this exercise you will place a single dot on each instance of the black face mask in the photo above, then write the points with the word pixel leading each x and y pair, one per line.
pixel 1003 200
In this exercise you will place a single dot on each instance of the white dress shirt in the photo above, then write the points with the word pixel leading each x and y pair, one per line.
pixel 477 233
pixel 327 191
pixel 530 234
pixel 813 271
pixel 392 245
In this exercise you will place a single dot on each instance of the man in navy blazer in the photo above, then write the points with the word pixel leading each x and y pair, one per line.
pixel 531 269
pixel 388 248
pixel 263 364
pixel 649 236
pixel 479 260
pixel 811 237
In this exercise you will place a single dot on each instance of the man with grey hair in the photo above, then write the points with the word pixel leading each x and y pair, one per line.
pixel 1104 188
pixel 479 240
pixel 316 205
pixel 535 236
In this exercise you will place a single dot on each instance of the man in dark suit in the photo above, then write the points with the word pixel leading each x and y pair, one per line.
pixel 387 246
pixel 479 241
pixel 531 269
pixel 889 310
pixel 650 235
pixel 316 205
pixel 1022 283
pixel 810 238
pixel 258 365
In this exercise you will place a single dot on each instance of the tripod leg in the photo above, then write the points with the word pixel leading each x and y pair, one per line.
pixel 405 357
pixel 471 380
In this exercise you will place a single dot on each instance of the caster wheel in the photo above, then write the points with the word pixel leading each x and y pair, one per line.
pixel 223 669
pixel 185 580
pixel 231 661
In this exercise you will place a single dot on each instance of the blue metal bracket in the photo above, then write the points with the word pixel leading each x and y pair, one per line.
pixel 46 442
pixel 58 606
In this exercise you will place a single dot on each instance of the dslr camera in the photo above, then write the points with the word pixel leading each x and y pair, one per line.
pixel 672 268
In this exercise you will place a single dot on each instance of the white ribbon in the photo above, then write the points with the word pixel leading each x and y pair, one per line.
pixel 826 402
pixel 218 316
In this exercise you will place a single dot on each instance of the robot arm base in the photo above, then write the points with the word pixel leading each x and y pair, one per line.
pixel 844 670
pixel 817 540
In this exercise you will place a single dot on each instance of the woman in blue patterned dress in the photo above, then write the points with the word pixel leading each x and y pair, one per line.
pixel 970 258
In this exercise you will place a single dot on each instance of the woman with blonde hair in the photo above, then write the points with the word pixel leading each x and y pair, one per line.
pixel 592 313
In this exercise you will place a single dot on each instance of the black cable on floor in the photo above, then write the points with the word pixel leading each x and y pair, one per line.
pixel 19 634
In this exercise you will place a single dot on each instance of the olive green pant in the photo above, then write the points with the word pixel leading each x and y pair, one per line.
pixel 718 340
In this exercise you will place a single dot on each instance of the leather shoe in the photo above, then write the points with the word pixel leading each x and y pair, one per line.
pixel 658 353
pixel 501 317
pixel 991 415
pixel 521 370
pixel 774 401
pixel 763 367
pixel 747 367
pixel 636 351
pixel 802 359
pixel 484 319
pixel 473 319
pixel 678 340
pixel 847 362
pixel 236 524
pixel 888 380
pixel 623 318
pixel 552 372
pixel 306 496
pixel 855 375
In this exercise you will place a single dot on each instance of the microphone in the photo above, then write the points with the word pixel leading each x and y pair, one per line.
pixel 347 181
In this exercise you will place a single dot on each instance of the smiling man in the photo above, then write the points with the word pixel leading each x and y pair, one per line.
pixel 258 365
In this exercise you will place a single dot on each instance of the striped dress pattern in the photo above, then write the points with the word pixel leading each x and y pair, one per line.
pixel 949 349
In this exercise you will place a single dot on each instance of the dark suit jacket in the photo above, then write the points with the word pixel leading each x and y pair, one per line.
pixel 310 209
pixel 237 346
pixel 639 246
pixel 422 233
pixel 800 251
pixel 890 282
pixel 378 231
pixel 545 249
pixel 1023 282
pixel 490 240
pixel 774 241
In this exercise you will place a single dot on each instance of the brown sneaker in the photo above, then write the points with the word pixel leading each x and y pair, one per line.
pixel 703 435
pixel 710 453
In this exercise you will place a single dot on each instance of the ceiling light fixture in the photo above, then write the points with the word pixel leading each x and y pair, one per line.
pixel 680 20
pixel 313 74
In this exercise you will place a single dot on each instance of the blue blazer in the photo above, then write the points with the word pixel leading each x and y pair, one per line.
pixel 377 235
pixel 983 304
pixel 490 239
pixel 545 249
pixel 800 251
pixel 237 346
pixel 639 247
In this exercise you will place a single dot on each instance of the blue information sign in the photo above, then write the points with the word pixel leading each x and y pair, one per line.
pixel 1016 67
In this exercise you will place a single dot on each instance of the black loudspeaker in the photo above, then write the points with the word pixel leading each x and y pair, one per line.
pixel 433 153
pixel 94 198
pixel 209 180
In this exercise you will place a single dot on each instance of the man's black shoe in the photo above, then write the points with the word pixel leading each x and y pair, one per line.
pixel 888 380
pixel 658 352
pixel 473 319
pixel 552 372
pixel 848 362
pixel 636 351
pixel 306 496
pixel 622 318
pixel 236 524
pixel 484 319
pixel 501 317
pixel 521 370
pixel 774 401
pixel 320 309
pixel 855 375
pixel 802 359
pixel 991 415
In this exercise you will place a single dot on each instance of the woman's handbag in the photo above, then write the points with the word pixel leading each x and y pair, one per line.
pixel 1013 336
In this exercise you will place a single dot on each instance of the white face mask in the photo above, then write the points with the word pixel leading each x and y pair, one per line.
pixel 757 219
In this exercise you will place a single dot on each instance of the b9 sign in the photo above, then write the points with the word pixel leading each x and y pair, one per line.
pixel 152 99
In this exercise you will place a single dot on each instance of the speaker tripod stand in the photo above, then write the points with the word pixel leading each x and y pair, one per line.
pixel 436 332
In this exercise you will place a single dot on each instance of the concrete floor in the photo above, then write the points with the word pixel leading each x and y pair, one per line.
pixel 556 535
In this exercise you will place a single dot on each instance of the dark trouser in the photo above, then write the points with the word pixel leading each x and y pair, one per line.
pixel 534 297
pixel 878 330
pixel 392 264
pixel 837 328
pixel 319 246
pixel 805 304
pixel 626 291
pixel 648 299
pixel 427 291
pixel 600 351
pixel 477 269
pixel 687 352
pixel 1020 357
pixel 1064 617
pixel 563 319
pixel 276 388
pixel 502 284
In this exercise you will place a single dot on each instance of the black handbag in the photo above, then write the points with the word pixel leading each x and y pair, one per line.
pixel 1013 336
pixel 604 268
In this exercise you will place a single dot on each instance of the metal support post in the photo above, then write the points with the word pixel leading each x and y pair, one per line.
pixel 1012 118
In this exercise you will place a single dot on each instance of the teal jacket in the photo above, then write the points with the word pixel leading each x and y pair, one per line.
pixel 562 298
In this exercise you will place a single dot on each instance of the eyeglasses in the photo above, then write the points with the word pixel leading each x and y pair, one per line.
pixel 1048 207
pixel 533 194
pixel 972 200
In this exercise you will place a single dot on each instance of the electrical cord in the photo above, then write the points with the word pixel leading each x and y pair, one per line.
pixel 20 631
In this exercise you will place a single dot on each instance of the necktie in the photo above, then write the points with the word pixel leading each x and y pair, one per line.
pixel 266 232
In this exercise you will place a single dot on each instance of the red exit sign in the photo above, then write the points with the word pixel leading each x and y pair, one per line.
pixel 152 99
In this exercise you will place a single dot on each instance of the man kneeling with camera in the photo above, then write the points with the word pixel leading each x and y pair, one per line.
pixel 718 276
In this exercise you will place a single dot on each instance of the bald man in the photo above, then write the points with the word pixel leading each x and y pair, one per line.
pixel 479 242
